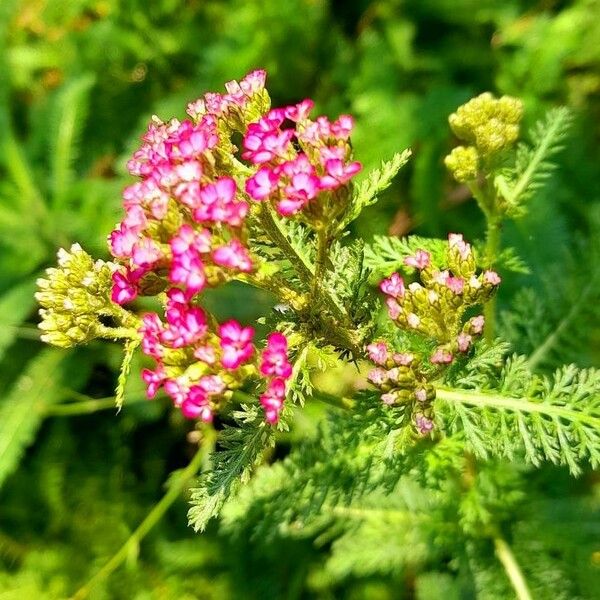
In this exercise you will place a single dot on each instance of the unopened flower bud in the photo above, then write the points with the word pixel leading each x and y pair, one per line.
pixel 463 163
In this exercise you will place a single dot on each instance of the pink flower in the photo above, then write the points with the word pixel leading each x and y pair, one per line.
pixel 153 380
pixel 146 253
pixel 441 356
pixel 455 240
pixel 187 325
pixel 413 320
pixel 193 410
pixel 421 395
pixel 464 341
pixel 393 308
pixel 275 357
pixel 389 398
pixel 477 324
pixel 151 330
pixel 288 207
pixel 233 255
pixel 218 204
pixel 441 277
pixel 264 141
pixel 455 284
pixel 188 270
pixel 302 186
pixel 262 184
pixel 236 344
pixel 299 112
pixel 393 286
pixel 378 352
pixel 195 405
pixel 377 376
pixel 191 140
pixel 121 241
pixel 206 354
pixel 338 173
pixel 187 239
pixel 403 358
pixel 272 399
pixel 492 278
pixel 342 128
pixel 177 389
pixel 424 425
pixel 213 385
pixel 420 260
pixel 125 285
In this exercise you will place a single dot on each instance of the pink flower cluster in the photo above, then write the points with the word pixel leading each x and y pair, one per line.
pixel 433 307
pixel 181 216
pixel 276 367
pixel 299 162
pixel 196 366
pixel 184 223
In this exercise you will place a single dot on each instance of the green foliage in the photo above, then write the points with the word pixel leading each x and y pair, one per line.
pixel 378 180
pixel 533 166
pixel 547 418
pixel 347 505
pixel 23 410
pixel 386 254
pixel 240 449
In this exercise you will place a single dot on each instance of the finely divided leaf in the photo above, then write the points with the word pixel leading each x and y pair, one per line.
pixel 23 409
pixel 544 418
pixel 533 167
pixel 376 182
pixel 239 451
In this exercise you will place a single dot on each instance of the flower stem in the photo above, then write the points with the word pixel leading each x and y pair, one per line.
pixel 492 246
pixel 339 332
pixel 199 460
pixel 512 568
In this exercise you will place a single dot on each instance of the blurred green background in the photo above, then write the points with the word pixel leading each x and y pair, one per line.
pixel 78 81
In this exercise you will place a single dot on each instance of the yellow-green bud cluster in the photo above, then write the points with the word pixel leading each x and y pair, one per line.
pixel 434 307
pixel 489 125
pixel 463 163
pixel 73 295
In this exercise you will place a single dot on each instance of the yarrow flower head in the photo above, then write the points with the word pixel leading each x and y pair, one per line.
pixel 73 297
pixel 432 307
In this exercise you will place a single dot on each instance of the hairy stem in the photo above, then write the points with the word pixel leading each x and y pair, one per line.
pixel 512 568
pixel 154 516
pixel 273 228
pixel 341 331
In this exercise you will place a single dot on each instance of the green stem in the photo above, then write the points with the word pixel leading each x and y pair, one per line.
pixel 273 228
pixel 326 398
pixel 118 333
pixel 87 407
pixel 523 404
pixel 344 328
pixel 512 568
pixel 492 246
pixel 154 516
pixel 322 247
pixel 546 346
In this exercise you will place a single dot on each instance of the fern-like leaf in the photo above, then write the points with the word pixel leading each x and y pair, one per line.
pixel 386 254
pixel 239 451
pixel 368 189
pixel 533 165
pixel 544 418
pixel 24 408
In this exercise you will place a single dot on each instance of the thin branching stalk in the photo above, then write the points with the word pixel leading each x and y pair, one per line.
pixel 512 568
pixel 200 460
